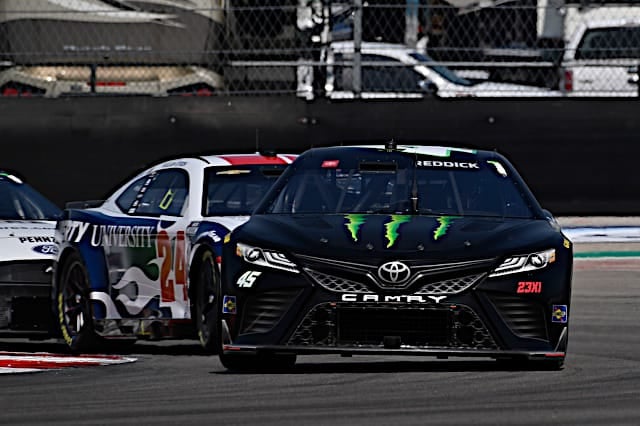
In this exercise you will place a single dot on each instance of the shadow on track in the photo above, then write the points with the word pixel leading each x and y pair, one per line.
pixel 166 347
pixel 425 366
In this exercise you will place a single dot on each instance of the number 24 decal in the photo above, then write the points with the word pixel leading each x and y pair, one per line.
pixel 172 261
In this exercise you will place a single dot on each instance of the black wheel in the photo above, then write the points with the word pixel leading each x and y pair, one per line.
pixel 75 314
pixel 205 303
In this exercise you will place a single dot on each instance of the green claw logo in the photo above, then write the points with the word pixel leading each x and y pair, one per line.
pixel 441 230
pixel 354 223
pixel 393 226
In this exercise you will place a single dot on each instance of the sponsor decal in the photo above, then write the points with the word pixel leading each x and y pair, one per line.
pixel 37 239
pixel 10 177
pixel 330 164
pixel 109 235
pixel 247 279
pixel 175 164
pixel 447 164
pixel 526 287
pixel 404 298
pixel 443 227
pixel 566 243
pixel 499 167
pixel 394 272
pixel 393 226
pixel 214 236
pixel 46 249
pixel 353 224
pixel 559 313
pixel 229 305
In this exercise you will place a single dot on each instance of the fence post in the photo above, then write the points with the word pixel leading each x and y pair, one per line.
pixel 357 44
pixel 411 23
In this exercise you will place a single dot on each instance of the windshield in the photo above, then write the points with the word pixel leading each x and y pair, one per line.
pixel 403 186
pixel 19 201
pixel 236 190
pixel 610 43
pixel 443 71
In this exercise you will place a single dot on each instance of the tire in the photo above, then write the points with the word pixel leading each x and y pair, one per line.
pixel 206 301
pixel 73 306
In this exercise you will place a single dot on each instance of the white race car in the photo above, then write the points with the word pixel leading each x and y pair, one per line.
pixel 145 262
pixel 27 250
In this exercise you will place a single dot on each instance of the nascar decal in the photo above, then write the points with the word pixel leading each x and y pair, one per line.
pixel 443 227
pixel 559 314
pixel 353 224
pixel 393 226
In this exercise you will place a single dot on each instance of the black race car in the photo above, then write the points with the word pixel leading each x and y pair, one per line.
pixel 412 250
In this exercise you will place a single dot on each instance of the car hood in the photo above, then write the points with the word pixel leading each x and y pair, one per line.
pixel 374 237
pixel 27 240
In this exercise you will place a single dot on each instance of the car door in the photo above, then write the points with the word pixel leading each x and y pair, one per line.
pixel 151 279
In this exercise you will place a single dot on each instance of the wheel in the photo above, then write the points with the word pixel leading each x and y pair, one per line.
pixel 205 303
pixel 75 314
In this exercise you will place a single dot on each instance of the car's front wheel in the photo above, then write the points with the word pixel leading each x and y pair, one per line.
pixel 205 309
pixel 74 311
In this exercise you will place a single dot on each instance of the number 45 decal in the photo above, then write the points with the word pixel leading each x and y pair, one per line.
pixel 248 278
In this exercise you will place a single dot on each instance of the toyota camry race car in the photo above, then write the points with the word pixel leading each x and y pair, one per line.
pixel 144 263
pixel 412 250
pixel 27 250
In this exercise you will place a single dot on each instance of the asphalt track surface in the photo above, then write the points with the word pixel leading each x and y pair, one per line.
pixel 174 383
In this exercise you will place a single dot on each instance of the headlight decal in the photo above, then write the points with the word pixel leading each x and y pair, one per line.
pixel 265 257
pixel 525 263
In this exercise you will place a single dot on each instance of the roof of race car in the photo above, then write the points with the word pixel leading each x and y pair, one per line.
pixel 222 160
pixel 434 151
pixel 429 150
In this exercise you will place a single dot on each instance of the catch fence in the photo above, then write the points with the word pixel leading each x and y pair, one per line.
pixel 373 49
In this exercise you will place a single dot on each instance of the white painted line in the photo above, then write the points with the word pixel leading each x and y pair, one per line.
pixel 617 234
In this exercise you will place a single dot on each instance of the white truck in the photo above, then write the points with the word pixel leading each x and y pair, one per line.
pixel 602 54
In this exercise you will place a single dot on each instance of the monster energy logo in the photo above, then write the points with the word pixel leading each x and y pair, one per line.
pixel 393 226
pixel 445 222
pixel 354 222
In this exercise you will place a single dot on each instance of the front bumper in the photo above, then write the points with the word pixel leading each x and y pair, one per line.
pixel 25 309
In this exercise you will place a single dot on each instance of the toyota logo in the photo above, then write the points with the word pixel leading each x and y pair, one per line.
pixel 394 272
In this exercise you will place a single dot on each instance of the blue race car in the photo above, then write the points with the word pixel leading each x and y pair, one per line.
pixel 145 262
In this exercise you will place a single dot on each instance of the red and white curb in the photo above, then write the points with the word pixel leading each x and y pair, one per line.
pixel 27 362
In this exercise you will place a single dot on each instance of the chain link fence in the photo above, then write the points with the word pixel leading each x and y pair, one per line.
pixel 369 49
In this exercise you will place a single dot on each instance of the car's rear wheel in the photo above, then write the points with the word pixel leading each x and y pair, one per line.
pixel 74 310
pixel 207 293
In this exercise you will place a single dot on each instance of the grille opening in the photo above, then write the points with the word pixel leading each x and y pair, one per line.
pixel 414 326
pixel 264 310
pixel 524 316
